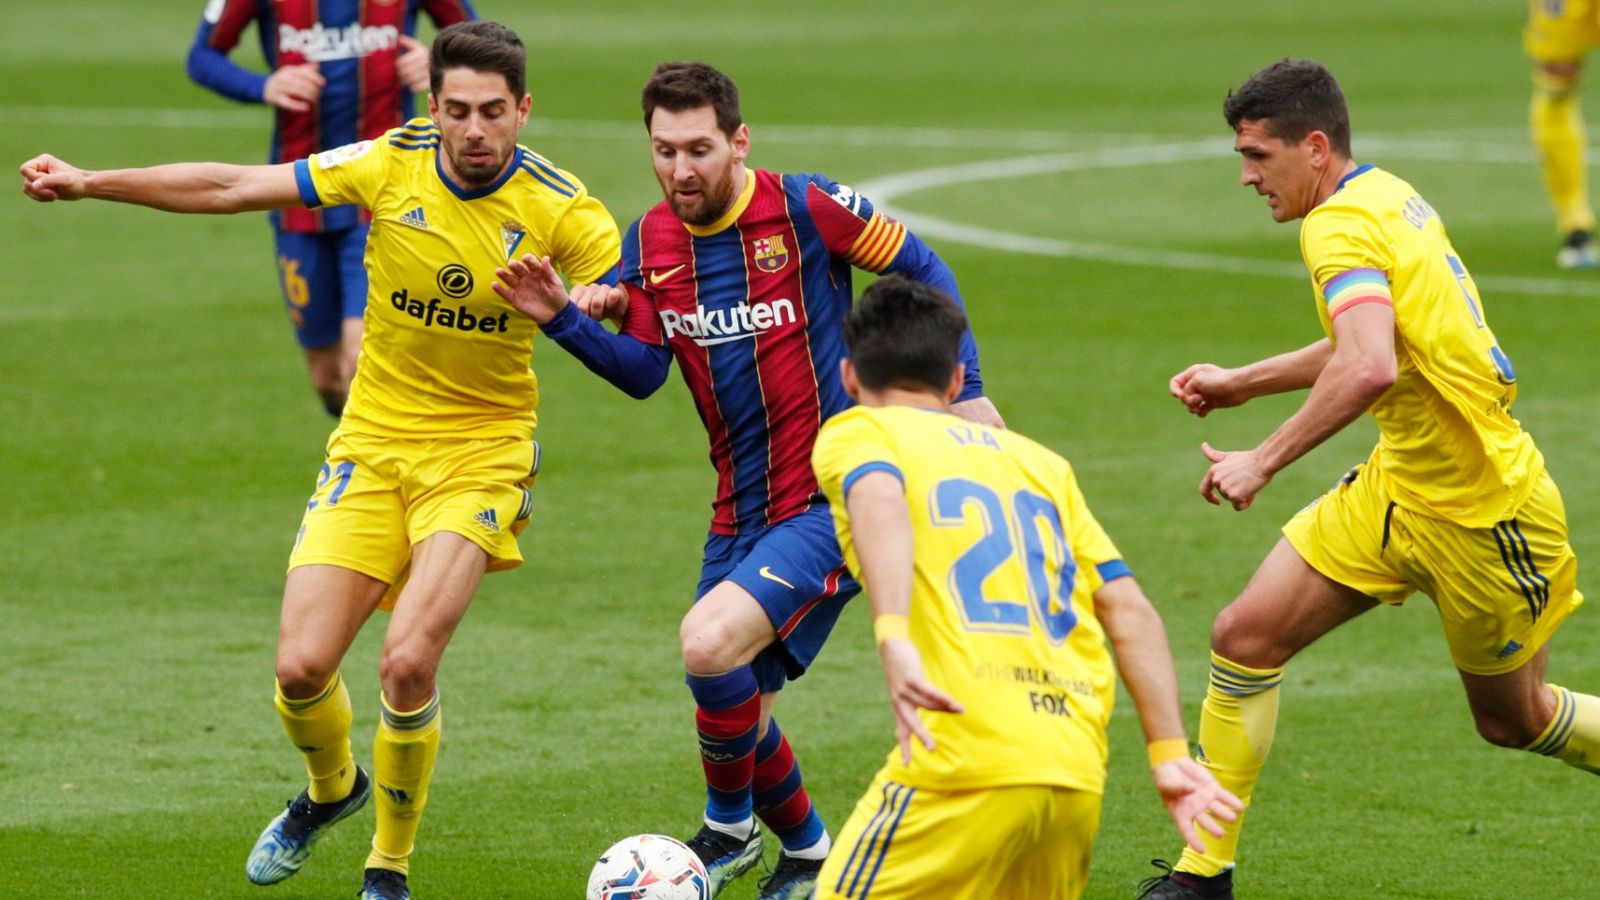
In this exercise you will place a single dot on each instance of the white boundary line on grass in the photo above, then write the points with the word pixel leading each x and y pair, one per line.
pixel 891 187
pixel 1134 151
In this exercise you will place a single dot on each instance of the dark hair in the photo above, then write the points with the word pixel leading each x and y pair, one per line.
pixel 904 333
pixel 679 86
pixel 1293 97
pixel 481 47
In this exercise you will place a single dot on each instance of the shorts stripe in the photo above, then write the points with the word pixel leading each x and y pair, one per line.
pixel 894 795
pixel 830 587
pixel 1542 588
pixel 1514 563
pixel 883 850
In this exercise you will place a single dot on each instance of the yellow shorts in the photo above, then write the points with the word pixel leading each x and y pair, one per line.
pixel 377 497
pixel 1029 842
pixel 1561 30
pixel 1501 591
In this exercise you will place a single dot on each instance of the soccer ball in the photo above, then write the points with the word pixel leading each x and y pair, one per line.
pixel 648 867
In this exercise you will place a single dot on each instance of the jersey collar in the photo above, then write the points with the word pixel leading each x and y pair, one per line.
pixel 1359 170
pixel 474 193
pixel 734 211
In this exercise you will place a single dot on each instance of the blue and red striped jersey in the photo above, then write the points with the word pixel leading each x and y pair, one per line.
pixel 353 42
pixel 752 308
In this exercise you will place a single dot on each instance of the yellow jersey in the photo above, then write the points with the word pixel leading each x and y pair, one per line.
pixel 442 354
pixel 1007 561
pixel 1447 445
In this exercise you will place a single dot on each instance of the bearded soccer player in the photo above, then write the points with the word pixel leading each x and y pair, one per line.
pixel 743 276
pixel 429 473
pixel 994 595
pixel 1454 502
pixel 342 71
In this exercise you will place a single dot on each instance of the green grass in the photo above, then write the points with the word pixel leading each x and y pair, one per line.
pixel 158 437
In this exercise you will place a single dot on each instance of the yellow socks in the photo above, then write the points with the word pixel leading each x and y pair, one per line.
pixel 1573 736
pixel 320 727
pixel 402 766
pixel 1556 119
pixel 1237 722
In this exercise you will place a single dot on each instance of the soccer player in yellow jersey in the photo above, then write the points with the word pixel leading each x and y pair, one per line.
pixel 1559 34
pixel 1454 501
pixel 427 477
pixel 994 592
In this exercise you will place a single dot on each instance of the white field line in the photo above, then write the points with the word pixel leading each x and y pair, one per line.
pixel 891 187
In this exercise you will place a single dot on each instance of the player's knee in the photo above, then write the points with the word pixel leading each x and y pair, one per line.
pixel 1558 79
pixel 407 674
pixel 1237 638
pixel 1514 731
pixel 301 678
pixel 707 645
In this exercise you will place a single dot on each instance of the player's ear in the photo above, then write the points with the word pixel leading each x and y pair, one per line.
pixel 958 379
pixel 847 377
pixel 1320 147
pixel 741 143
pixel 524 106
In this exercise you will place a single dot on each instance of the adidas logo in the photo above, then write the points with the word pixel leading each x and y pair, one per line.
pixel 487 519
pixel 1511 648
pixel 415 219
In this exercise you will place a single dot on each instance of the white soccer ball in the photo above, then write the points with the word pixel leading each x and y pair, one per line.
pixel 648 867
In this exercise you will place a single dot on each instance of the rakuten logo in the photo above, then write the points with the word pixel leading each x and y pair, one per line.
pixel 719 326
pixel 319 44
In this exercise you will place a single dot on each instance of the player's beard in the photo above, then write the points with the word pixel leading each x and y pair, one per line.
pixel 716 198
pixel 478 174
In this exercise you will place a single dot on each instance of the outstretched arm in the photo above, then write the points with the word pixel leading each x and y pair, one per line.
pixel 1204 387
pixel 1189 792
pixel 1361 365
pixel 179 187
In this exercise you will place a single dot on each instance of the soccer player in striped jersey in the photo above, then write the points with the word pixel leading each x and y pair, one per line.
pixel 428 475
pixel 342 71
pixel 743 276
pixel 994 594
pixel 1454 502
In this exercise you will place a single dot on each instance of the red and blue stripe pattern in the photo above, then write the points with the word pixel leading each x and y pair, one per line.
pixel 1354 287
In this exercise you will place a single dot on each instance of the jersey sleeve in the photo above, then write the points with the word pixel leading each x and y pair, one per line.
pixel 354 173
pixel 208 65
pixel 585 244
pixel 1097 557
pixel 862 235
pixel 1349 258
pixel 449 12
pixel 849 446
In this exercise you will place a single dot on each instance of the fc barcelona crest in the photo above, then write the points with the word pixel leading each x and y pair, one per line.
pixel 770 253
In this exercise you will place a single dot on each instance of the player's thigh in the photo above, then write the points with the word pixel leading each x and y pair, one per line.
pixel 1501 591
pixel 1055 865
pixel 480 489
pixel 1561 30
pixel 356 516
pixel 324 608
pixel 725 628
pixel 797 574
pixel 310 281
pixel 905 842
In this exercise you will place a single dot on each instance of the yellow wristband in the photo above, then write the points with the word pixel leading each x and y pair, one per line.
pixel 1166 750
pixel 891 625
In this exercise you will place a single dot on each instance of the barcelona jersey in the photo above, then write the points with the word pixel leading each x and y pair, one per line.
pixel 353 42
pixel 442 354
pixel 1448 445
pixel 752 308
pixel 1007 561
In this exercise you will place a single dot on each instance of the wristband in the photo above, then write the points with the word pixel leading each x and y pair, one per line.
pixel 1166 750
pixel 891 625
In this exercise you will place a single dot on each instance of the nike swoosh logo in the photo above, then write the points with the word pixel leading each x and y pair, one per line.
pixel 659 276
pixel 766 572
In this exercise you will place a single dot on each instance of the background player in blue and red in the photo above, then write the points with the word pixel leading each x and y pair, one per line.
pixel 743 276
pixel 342 71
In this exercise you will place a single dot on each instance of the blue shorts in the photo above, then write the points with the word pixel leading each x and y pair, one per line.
pixel 796 572
pixel 323 282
